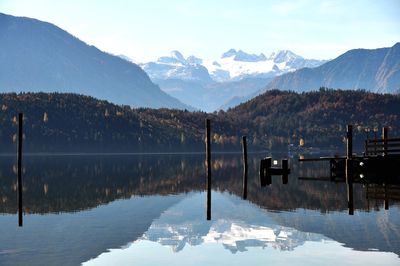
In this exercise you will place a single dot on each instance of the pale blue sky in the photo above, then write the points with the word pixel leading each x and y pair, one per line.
pixel 147 29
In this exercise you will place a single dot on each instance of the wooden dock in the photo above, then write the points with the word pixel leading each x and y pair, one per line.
pixel 379 162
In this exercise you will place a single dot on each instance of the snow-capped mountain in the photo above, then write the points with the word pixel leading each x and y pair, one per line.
pixel 175 66
pixel 231 66
pixel 207 84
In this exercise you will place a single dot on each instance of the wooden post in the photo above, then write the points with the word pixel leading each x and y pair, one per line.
pixel 245 171
pixel 366 142
pixel 375 139
pixel 285 171
pixel 208 165
pixel 349 153
pixel 268 163
pixel 19 173
pixel 349 141
pixel 385 142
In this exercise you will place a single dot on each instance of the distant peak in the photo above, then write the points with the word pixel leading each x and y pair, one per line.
pixel 177 55
pixel 194 60
pixel 283 56
pixel 229 53
pixel 243 56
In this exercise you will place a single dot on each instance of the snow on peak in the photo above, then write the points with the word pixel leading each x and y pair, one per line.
pixel 284 56
pixel 194 60
pixel 177 55
pixel 233 65
pixel 229 53
pixel 243 56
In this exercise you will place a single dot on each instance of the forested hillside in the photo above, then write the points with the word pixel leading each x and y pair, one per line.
pixel 57 122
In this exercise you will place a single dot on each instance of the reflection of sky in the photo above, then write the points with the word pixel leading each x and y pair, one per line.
pixel 239 233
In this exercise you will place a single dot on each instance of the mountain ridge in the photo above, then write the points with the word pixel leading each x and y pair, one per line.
pixel 39 56
pixel 376 70
pixel 234 75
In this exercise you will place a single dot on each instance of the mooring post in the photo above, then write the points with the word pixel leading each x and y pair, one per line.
pixel 349 141
pixel 19 162
pixel 244 143
pixel 375 140
pixel 285 171
pixel 349 153
pixel 268 163
pixel 366 142
pixel 208 165
pixel 385 142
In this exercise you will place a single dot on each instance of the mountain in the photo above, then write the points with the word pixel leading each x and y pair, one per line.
pixel 236 65
pixel 236 74
pixel 38 56
pixel 176 66
pixel 376 70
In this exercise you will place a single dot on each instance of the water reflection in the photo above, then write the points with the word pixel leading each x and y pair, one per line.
pixel 78 207
pixel 68 184
pixel 241 229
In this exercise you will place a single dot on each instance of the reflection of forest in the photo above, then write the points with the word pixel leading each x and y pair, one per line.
pixel 73 183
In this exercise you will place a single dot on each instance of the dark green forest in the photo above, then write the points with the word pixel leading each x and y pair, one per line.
pixel 64 122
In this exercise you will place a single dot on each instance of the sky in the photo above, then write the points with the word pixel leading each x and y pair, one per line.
pixel 147 29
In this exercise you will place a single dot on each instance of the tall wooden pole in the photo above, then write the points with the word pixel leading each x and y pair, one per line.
pixel 385 142
pixel 349 153
pixel 349 141
pixel 19 159
pixel 208 166
pixel 245 171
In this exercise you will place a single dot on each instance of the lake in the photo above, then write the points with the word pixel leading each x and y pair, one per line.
pixel 151 210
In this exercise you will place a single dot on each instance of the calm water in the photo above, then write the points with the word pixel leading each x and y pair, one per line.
pixel 150 210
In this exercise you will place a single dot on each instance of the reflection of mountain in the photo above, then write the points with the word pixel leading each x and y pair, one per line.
pixel 69 239
pixel 235 224
pixel 246 230
pixel 71 184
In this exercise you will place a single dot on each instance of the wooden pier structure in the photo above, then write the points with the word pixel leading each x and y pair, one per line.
pixel 267 171
pixel 379 162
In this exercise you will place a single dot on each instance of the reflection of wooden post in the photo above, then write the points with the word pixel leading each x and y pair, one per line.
pixel 386 204
pixel 385 142
pixel 262 173
pixel 285 171
pixel 244 143
pixel 367 196
pixel 350 200
pixel 268 163
pixel 208 165
pixel 19 159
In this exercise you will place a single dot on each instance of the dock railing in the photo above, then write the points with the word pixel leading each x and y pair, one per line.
pixel 384 146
